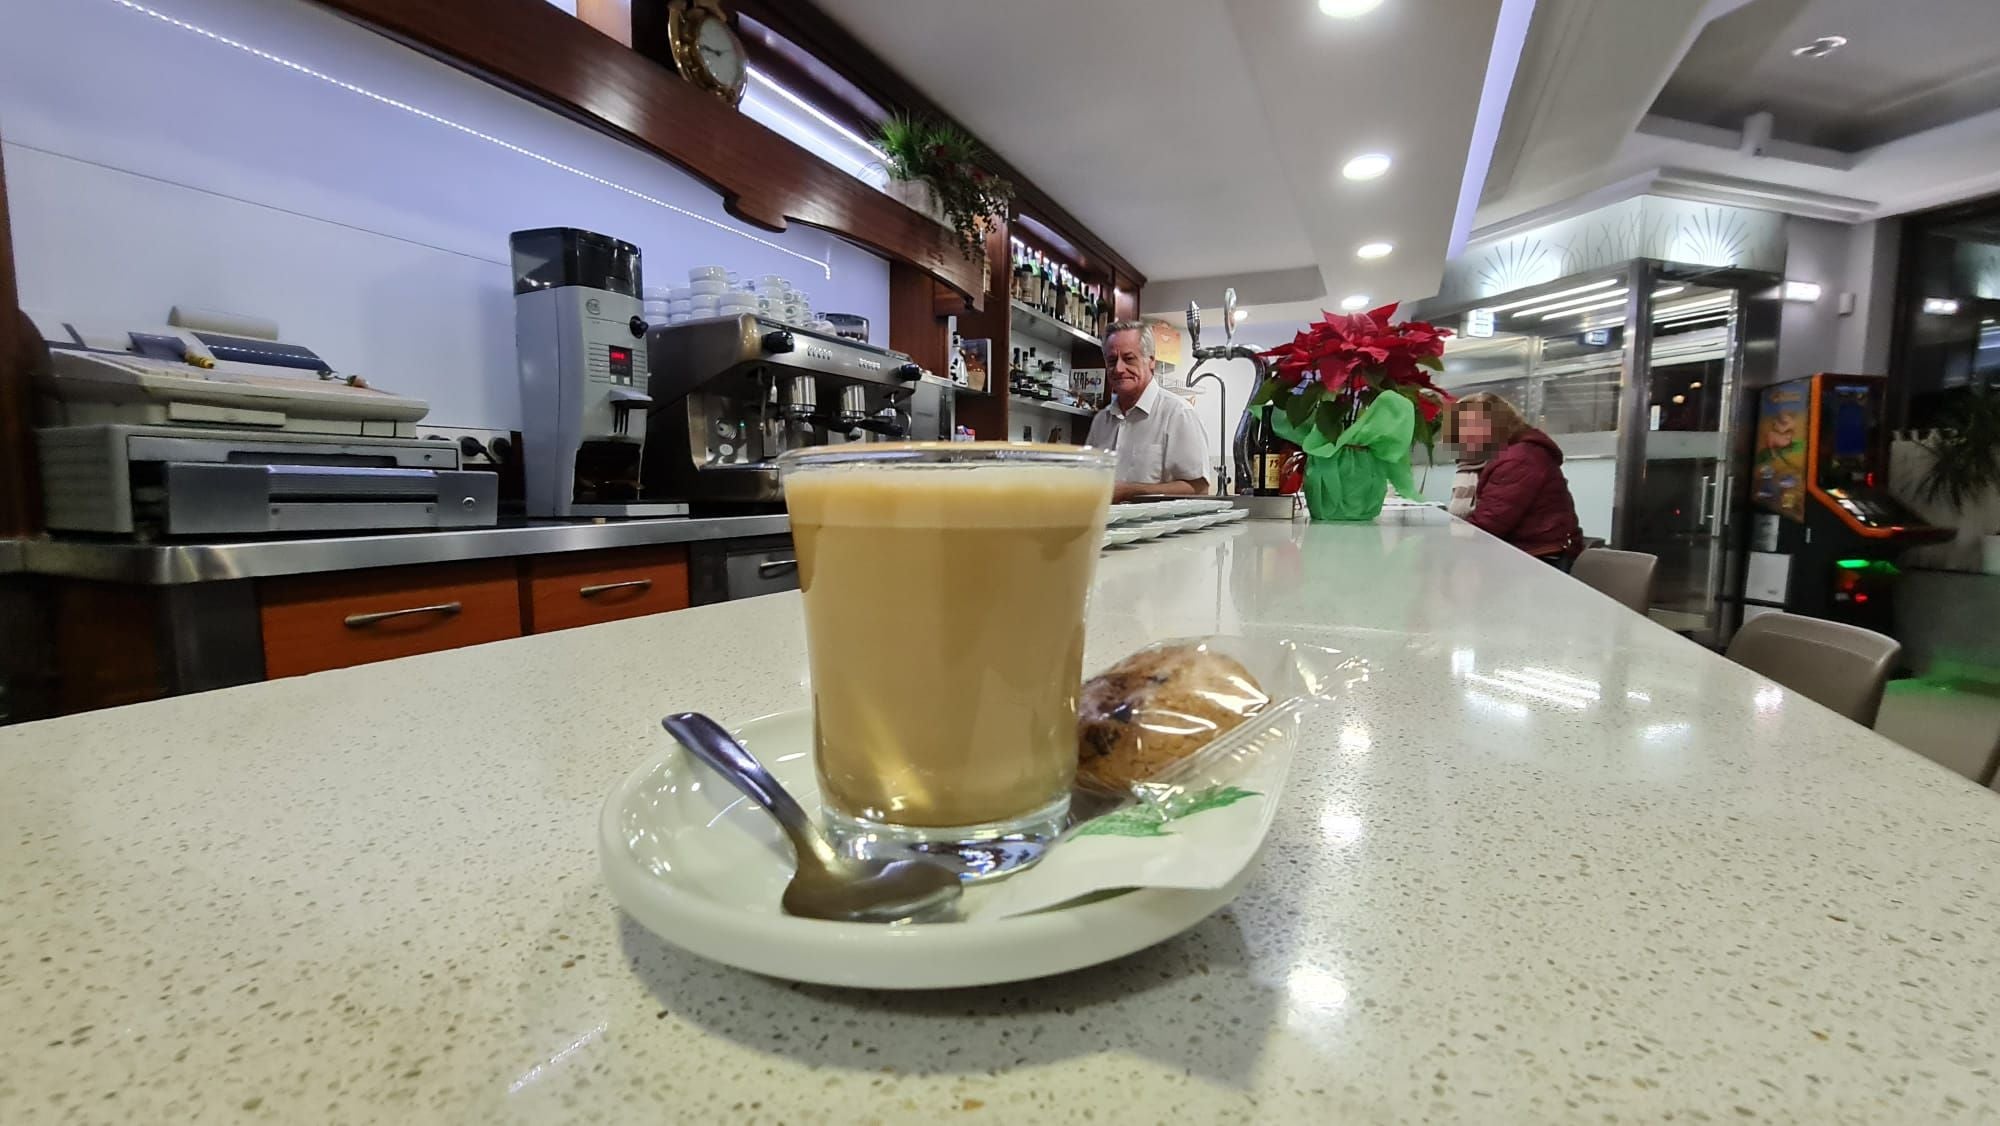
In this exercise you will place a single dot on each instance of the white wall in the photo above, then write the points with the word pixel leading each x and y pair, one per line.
pixel 149 166
pixel 1841 258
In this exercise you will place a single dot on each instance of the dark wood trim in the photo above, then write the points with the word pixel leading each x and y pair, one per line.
pixel 534 48
pixel 817 33
pixel 20 483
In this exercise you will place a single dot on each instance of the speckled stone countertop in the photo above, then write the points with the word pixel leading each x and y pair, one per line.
pixel 1554 863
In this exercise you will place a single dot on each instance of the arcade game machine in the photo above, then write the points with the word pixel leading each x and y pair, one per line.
pixel 1827 547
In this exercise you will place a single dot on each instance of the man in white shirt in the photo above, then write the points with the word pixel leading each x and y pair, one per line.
pixel 1161 450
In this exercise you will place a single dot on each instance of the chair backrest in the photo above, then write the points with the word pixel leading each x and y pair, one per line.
pixel 1624 575
pixel 1841 666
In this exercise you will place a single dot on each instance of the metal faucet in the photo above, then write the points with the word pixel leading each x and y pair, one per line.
pixel 1228 350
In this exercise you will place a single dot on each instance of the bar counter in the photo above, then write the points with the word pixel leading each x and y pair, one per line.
pixel 176 563
pixel 1551 863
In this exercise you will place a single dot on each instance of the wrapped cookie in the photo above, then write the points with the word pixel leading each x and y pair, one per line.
pixel 1144 716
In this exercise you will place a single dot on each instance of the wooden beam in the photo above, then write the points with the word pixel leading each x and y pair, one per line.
pixel 536 49
pixel 817 33
pixel 20 481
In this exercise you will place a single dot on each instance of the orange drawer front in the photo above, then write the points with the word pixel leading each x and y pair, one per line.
pixel 564 591
pixel 316 622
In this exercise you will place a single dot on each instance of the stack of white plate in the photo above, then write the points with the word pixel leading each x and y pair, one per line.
pixel 1151 520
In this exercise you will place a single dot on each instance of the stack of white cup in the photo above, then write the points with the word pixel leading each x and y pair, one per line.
pixel 658 305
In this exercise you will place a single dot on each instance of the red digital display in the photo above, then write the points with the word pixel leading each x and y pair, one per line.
pixel 620 364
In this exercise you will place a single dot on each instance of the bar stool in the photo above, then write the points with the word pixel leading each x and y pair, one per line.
pixel 1624 575
pixel 1841 666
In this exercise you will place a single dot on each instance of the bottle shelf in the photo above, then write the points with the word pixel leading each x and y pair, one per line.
pixel 1034 321
pixel 1050 405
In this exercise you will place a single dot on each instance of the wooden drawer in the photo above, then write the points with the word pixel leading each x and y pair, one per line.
pixel 315 622
pixel 563 591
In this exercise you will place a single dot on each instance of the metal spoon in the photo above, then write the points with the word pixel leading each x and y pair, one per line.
pixel 826 885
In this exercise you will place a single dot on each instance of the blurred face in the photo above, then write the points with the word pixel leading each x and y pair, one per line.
pixel 1127 368
pixel 1475 430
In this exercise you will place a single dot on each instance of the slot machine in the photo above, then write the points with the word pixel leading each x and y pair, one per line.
pixel 1827 543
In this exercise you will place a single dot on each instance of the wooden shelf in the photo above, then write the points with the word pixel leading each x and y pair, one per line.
pixel 1050 405
pixel 1028 320
pixel 533 47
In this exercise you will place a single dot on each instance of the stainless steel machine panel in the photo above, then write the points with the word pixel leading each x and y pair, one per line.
pixel 731 394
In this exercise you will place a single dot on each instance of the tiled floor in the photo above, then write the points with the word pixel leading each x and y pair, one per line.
pixel 1956 724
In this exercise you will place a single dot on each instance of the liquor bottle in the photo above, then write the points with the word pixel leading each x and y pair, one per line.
pixel 1031 365
pixel 1266 455
pixel 1014 372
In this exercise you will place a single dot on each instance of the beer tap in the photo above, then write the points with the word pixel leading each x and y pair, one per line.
pixel 1227 350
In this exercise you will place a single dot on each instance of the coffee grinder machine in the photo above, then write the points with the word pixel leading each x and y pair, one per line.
pixel 582 349
pixel 731 394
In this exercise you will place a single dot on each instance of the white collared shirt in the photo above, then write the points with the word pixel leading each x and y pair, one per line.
pixel 1159 439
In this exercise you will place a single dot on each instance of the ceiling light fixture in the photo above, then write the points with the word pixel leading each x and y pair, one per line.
pixel 1552 306
pixel 1242 315
pixel 1374 250
pixel 1941 306
pixel 1348 9
pixel 1679 399
pixel 1817 49
pixel 1698 304
pixel 1687 322
pixel 1551 296
pixel 1355 303
pixel 1801 291
pixel 1582 309
pixel 1367 166
pixel 1598 300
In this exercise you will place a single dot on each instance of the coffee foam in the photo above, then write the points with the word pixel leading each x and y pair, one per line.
pixel 987 496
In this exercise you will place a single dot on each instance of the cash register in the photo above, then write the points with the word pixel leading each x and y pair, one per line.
pixel 211 425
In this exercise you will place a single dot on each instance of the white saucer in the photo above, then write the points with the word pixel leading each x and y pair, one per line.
pixel 698 865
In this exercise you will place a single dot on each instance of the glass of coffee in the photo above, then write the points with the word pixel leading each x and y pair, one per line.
pixel 944 588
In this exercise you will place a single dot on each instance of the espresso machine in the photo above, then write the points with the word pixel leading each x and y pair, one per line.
pixel 730 394
pixel 582 348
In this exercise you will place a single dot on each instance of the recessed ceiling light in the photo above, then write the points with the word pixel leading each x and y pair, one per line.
pixel 1373 250
pixel 1357 302
pixel 1679 399
pixel 1367 166
pixel 1820 48
pixel 1242 315
pixel 1348 9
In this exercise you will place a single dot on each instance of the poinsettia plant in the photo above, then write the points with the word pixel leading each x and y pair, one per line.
pixel 1333 369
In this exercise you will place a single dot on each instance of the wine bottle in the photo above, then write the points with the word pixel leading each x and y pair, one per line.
pixel 1267 457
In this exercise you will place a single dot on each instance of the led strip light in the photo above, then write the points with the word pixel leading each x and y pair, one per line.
pixel 288 64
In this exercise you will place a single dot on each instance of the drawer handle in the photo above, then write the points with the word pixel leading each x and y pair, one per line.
pixel 777 566
pixel 606 588
pixel 363 621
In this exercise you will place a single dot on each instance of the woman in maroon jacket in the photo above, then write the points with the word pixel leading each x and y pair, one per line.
pixel 1522 496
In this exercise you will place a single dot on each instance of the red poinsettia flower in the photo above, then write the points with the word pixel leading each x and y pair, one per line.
pixel 1355 357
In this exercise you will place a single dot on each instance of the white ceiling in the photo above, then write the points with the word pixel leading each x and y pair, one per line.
pixel 1203 138
pixel 1614 100
pixel 1906 67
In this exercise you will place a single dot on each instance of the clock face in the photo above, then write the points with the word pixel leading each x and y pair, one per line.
pixel 721 55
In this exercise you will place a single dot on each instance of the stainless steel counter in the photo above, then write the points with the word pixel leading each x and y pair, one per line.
pixel 179 563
